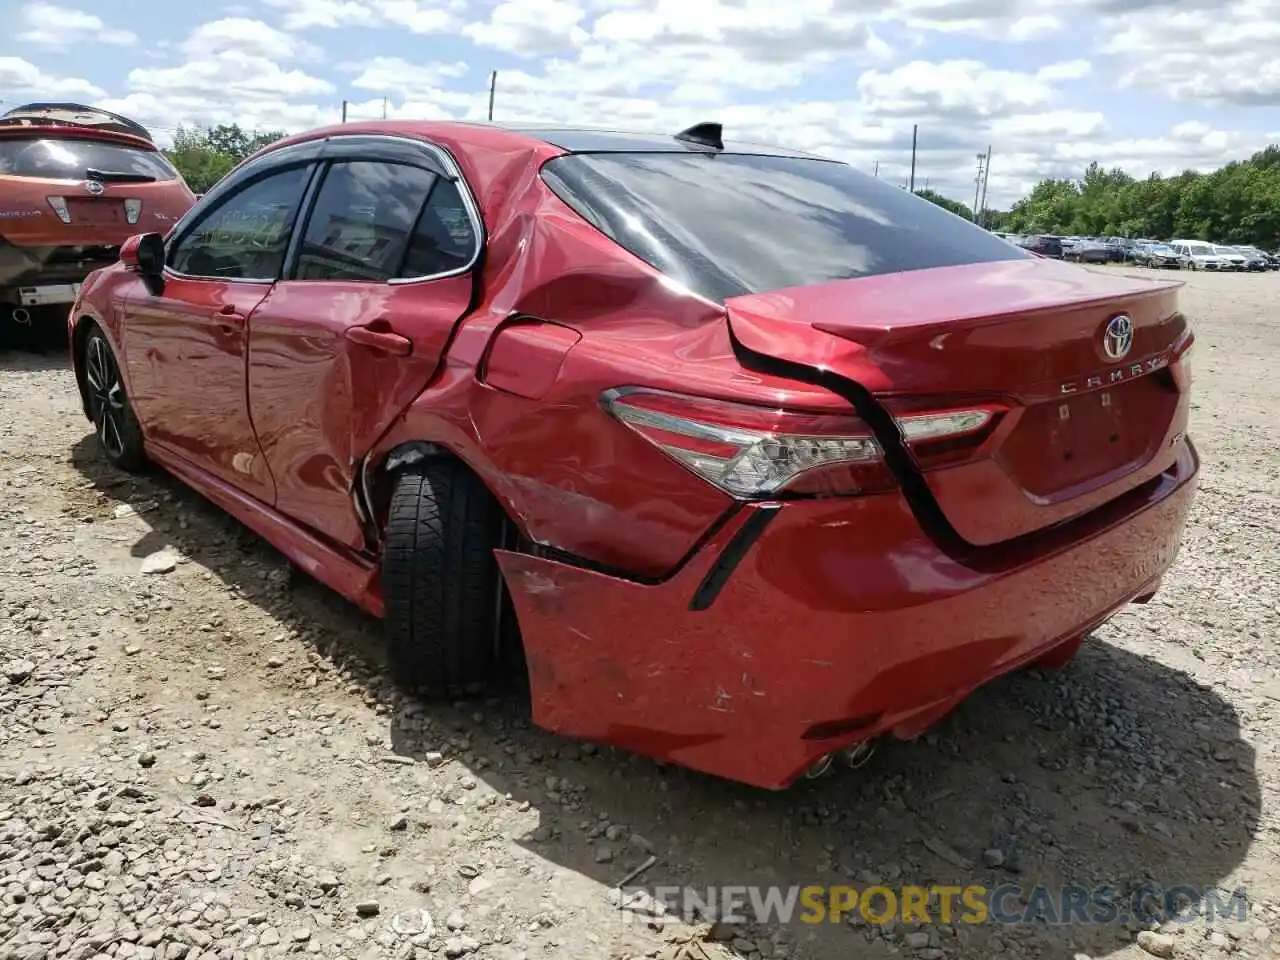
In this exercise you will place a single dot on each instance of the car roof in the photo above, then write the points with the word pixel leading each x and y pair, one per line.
pixel 599 140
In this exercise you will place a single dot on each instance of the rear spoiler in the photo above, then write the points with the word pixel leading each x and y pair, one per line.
pixel 74 115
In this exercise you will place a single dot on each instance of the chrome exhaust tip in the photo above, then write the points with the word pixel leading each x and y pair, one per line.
pixel 820 767
pixel 859 754
pixel 20 315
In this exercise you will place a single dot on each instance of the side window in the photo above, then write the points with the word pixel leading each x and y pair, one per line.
pixel 444 239
pixel 247 235
pixel 362 221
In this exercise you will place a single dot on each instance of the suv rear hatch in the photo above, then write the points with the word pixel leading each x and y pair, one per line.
pixel 64 186
pixel 1073 424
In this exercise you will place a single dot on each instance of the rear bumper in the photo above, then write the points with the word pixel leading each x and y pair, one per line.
pixel 840 622
pixel 48 267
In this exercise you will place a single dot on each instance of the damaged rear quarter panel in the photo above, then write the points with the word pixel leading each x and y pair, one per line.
pixel 570 475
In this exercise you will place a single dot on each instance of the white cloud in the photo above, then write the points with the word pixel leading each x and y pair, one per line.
pixel 411 81
pixel 1222 52
pixel 61 28
pixel 416 16
pixel 243 35
pixel 959 88
pixel 25 79
pixel 229 75
pixel 1068 70
pixel 531 27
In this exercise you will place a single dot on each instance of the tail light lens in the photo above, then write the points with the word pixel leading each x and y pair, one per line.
pixel 750 452
pixel 1181 366
pixel 59 205
pixel 938 438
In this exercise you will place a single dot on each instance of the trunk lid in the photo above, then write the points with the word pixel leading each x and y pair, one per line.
pixel 1080 426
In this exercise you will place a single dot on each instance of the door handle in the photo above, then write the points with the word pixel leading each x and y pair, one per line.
pixel 228 314
pixel 383 341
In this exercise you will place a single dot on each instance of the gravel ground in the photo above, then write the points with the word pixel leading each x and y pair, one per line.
pixel 206 761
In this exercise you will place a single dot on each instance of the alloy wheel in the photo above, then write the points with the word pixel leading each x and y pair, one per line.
pixel 106 396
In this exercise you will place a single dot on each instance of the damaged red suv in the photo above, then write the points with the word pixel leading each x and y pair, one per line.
pixel 742 458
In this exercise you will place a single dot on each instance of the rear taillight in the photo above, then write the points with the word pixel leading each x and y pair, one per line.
pixel 750 452
pixel 940 437
pixel 59 205
pixel 1181 365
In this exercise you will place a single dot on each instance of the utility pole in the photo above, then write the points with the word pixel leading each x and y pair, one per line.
pixel 384 108
pixel 915 128
pixel 986 175
pixel 493 86
pixel 876 170
pixel 977 184
pixel 344 111
pixel 926 183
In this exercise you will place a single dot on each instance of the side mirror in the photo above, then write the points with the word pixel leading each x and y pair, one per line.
pixel 144 253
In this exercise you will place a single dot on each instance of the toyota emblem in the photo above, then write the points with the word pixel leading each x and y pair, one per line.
pixel 94 187
pixel 1117 338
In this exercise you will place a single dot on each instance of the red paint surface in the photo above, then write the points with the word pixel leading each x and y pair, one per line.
pixel 185 353
pixel 319 401
pixel 842 610
pixel 846 618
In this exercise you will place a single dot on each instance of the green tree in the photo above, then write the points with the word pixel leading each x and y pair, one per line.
pixel 946 203
pixel 1239 203
pixel 205 156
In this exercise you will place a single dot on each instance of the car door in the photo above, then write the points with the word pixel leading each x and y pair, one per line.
pixel 379 276
pixel 186 342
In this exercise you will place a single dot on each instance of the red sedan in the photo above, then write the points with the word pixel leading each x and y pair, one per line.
pixel 742 458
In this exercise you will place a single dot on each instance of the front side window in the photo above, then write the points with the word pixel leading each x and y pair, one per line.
pixel 247 235
pixel 362 220
pixel 66 158
pixel 730 224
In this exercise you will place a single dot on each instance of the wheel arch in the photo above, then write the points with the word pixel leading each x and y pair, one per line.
pixel 79 336
pixel 381 467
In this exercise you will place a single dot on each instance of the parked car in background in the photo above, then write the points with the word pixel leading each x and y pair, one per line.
pixel 740 485
pixel 1254 259
pixel 1084 250
pixel 75 182
pixel 1043 244
pixel 1159 255
pixel 1230 256
pixel 1115 248
pixel 1198 255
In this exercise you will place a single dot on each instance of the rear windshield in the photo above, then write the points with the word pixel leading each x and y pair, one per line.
pixel 60 158
pixel 730 224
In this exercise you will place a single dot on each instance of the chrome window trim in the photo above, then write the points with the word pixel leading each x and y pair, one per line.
pixel 454 172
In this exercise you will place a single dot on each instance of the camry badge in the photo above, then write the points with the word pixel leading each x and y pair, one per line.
pixel 1117 338
pixel 94 187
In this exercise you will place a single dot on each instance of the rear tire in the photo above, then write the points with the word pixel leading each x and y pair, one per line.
pixel 446 605
pixel 115 427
